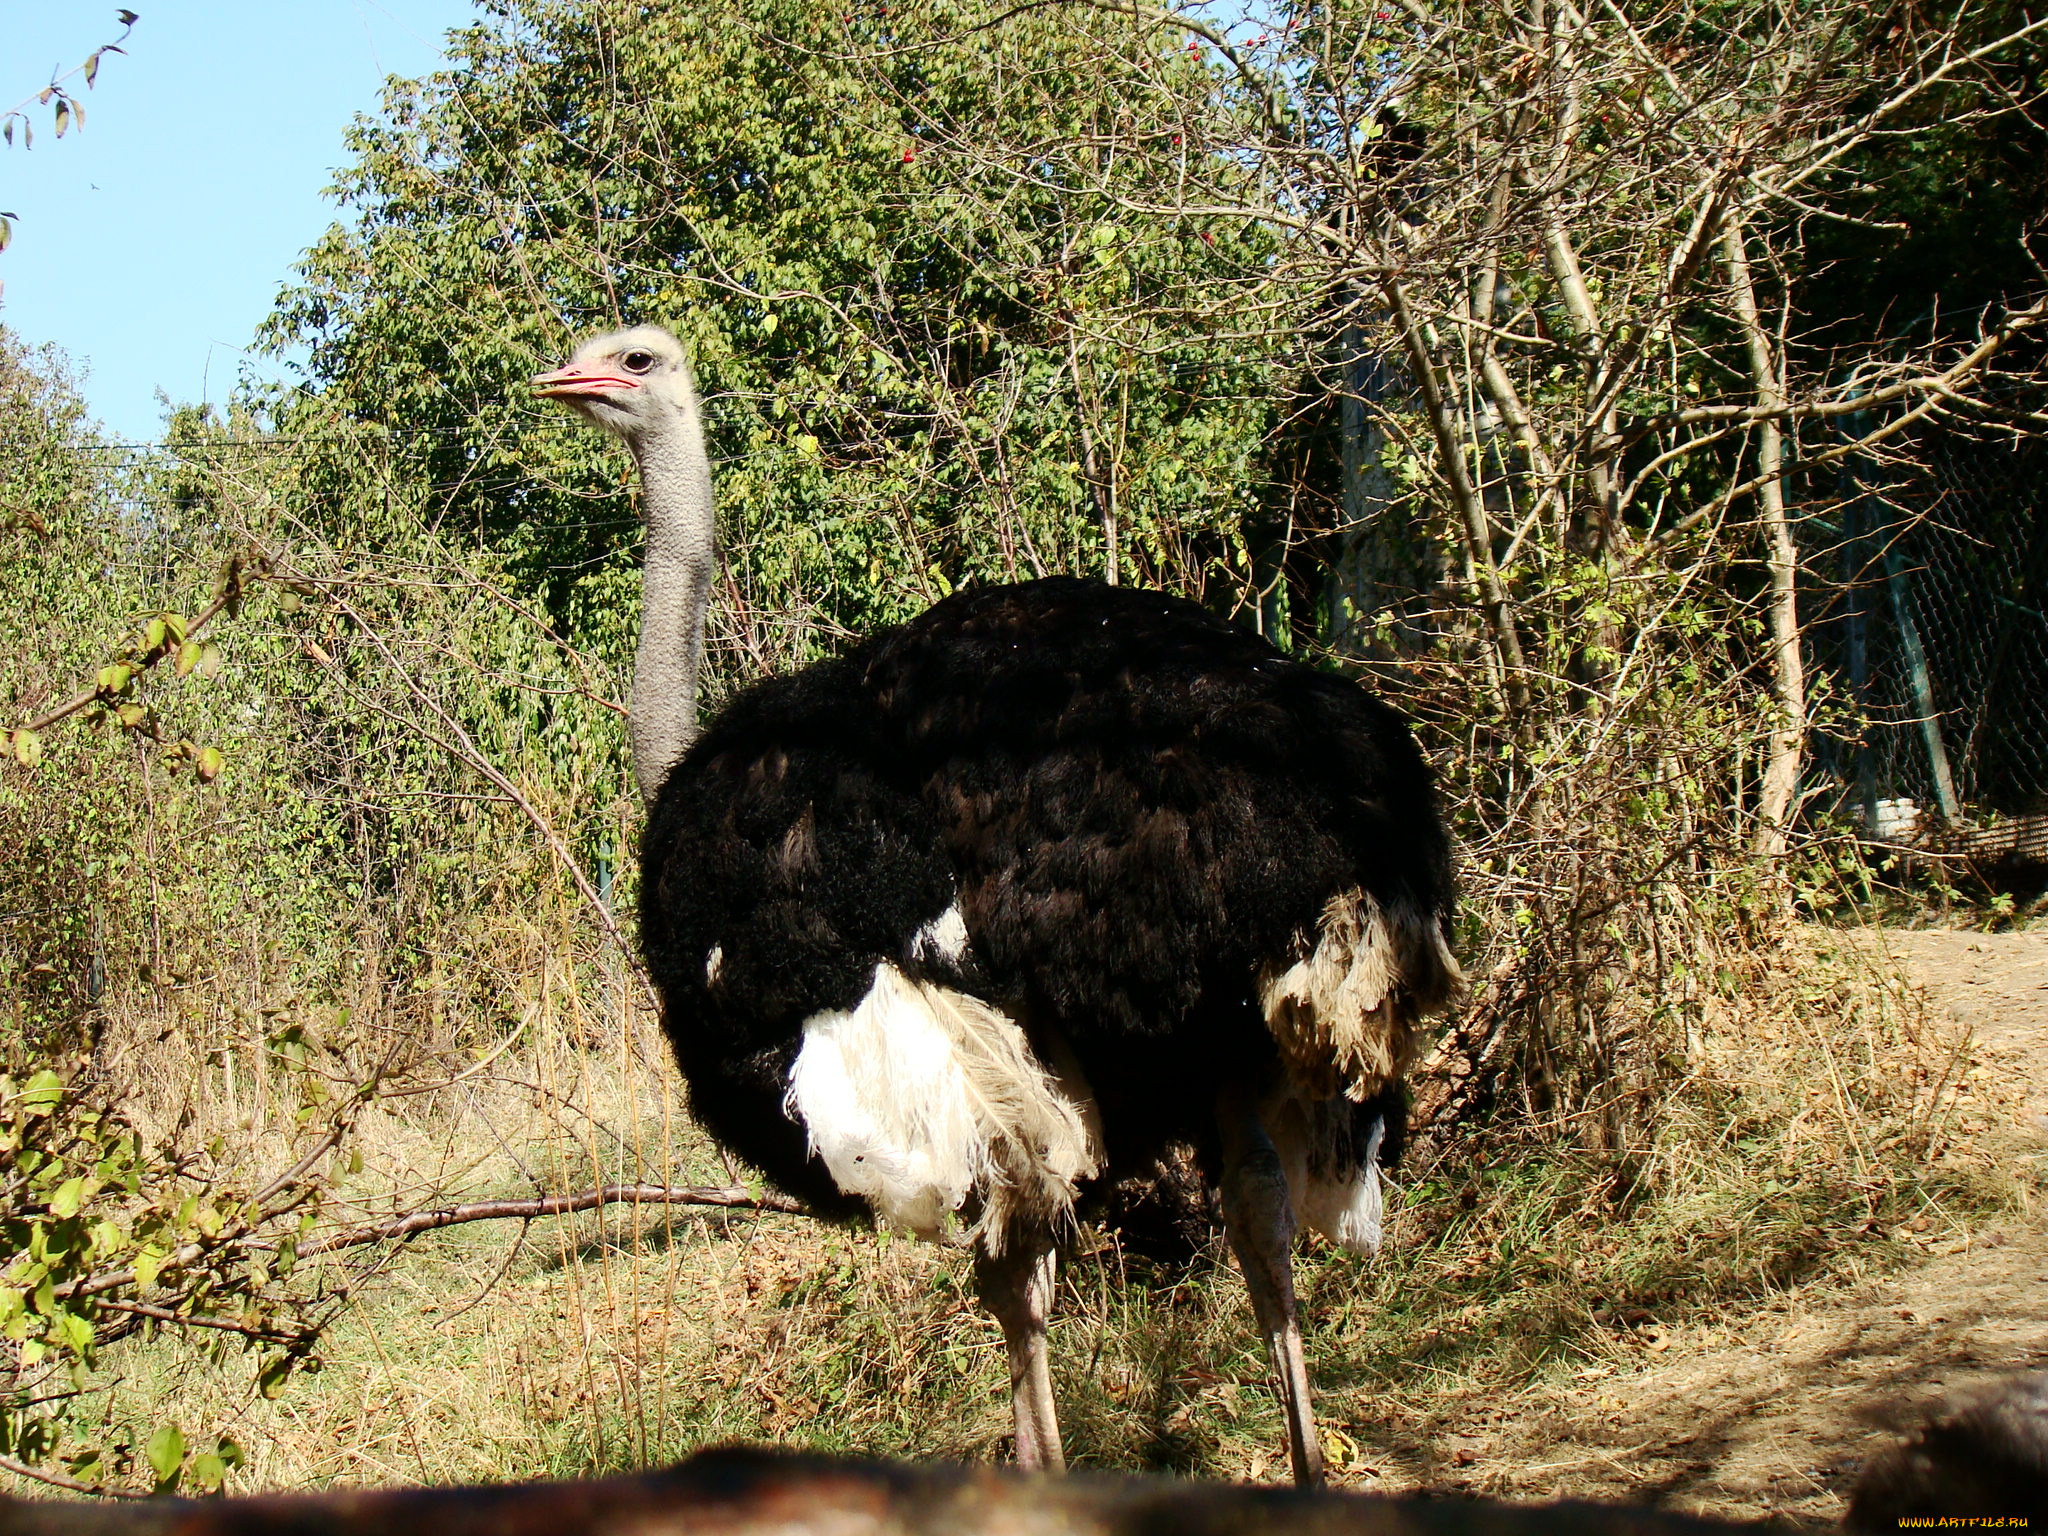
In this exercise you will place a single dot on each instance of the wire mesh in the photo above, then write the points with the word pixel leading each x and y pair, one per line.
pixel 1935 635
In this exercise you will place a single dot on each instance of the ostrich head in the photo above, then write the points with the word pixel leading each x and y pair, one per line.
pixel 635 383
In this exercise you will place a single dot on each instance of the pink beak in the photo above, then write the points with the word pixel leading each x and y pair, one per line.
pixel 572 380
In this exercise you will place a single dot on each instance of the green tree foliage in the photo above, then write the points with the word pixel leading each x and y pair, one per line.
pixel 43 427
pixel 899 364
pixel 51 486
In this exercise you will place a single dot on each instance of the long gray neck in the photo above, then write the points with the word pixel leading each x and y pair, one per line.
pixel 682 558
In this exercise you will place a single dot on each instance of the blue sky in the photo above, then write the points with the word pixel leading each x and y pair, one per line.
pixel 150 244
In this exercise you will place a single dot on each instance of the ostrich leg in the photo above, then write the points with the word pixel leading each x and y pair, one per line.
pixel 1016 1285
pixel 1260 1220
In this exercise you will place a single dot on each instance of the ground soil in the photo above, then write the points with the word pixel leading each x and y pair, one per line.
pixel 1772 1413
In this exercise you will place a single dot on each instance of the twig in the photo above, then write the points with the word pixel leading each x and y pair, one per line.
pixel 1987 347
pixel 1499 610
pixel 726 1196
pixel 327 1143
pixel 56 85
pixel 185 1320
pixel 231 591
pixel 463 746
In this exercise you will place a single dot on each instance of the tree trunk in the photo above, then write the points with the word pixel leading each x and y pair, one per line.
pixel 1778 796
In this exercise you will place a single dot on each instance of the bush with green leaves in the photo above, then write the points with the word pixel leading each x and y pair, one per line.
pixel 153 825
pixel 104 1234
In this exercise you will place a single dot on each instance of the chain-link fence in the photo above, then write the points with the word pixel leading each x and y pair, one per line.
pixel 1933 632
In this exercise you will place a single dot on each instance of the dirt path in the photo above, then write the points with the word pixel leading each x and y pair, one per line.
pixel 1771 1414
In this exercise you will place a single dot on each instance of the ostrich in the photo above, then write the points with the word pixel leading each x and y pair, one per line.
pixel 1014 898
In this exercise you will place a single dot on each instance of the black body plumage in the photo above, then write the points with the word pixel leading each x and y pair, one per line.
pixel 1133 804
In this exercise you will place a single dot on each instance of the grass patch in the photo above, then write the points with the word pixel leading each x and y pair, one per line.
pixel 1817 1137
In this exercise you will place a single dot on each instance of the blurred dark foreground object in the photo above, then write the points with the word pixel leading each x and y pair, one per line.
pixel 741 1492
pixel 1984 1461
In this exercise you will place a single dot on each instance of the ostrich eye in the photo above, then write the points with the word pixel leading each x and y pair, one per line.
pixel 638 362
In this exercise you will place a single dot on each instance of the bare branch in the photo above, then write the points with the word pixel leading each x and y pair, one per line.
pixel 727 1197
pixel 62 1480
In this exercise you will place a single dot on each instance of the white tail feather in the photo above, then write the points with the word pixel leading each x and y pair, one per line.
pixel 1332 1183
pixel 1341 1199
pixel 921 1097
pixel 1344 1013
pixel 1349 1212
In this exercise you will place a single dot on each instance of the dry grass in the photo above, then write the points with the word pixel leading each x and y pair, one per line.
pixel 1825 1131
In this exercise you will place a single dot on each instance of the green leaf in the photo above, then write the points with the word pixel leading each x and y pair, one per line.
pixel 42 1094
pixel 28 747
pixel 70 1195
pixel 165 1452
pixel 148 1265
pixel 76 1329
pixel 271 1379
pixel 208 665
pixel 205 1473
pixel 209 764
pixel 63 116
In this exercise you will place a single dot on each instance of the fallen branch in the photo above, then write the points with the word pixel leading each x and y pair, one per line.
pixel 68 1484
pixel 727 1196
